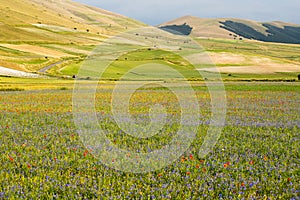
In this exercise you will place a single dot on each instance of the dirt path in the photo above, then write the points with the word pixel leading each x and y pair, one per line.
pixel 45 69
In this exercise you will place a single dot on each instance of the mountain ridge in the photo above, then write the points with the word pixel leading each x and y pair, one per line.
pixel 234 28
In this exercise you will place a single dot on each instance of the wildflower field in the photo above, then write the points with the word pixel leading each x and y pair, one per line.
pixel 256 157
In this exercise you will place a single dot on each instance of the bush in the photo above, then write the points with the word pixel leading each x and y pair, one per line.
pixel 11 89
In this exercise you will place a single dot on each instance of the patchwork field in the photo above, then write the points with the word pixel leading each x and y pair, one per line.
pixel 236 60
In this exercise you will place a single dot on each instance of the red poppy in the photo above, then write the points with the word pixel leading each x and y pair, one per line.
pixel 188 173
pixel 85 153
pixel 191 157
pixel 197 166
pixel 251 162
pixel 11 159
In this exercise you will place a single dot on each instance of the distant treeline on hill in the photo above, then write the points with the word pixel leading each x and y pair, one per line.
pixel 288 34
pixel 183 29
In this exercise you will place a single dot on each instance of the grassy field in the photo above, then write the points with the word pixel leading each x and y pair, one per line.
pixel 256 157
pixel 285 52
pixel 43 157
pixel 224 53
pixel 272 61
pixel 68 40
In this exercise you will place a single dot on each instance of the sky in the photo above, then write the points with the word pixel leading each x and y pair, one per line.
pixel 155 12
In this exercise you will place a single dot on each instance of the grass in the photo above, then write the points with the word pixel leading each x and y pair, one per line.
pixel 35 84
pixel 141 57
pixel 277 53
pixel 259 77
pixel 275 87
pixel 11 89
pixel 282 52
pixel 26 13
pixel 42 26
pixel 12 52
pixel 71 69
pixel 250 50
pixel 42 155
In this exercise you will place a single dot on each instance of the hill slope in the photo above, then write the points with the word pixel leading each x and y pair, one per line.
pixel 34 20
pixel 35 34
pixel 241 58
pixel 236 29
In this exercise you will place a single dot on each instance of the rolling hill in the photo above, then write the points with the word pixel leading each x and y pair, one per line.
pixel 35 34
pixel 239 29
pixel 55 37
pixel 244 48
pixel 33 20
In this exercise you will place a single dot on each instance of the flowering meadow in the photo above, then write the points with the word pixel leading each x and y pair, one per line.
pixel 256 157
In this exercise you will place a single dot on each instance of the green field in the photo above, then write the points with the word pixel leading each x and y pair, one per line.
pixel 46 152
pixel 256 157
pixel 252 54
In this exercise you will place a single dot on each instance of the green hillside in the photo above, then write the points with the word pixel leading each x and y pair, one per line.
pixel 35 34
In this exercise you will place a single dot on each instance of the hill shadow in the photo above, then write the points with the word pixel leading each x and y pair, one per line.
pixel 288 34
pixel 183 29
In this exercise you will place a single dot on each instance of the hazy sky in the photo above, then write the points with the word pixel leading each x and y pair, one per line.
pixel 154 12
